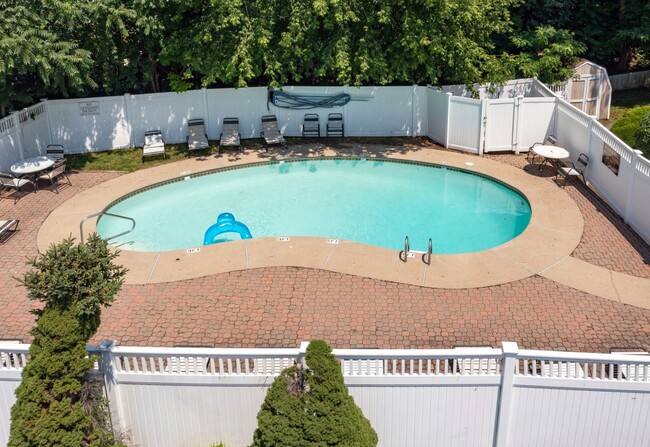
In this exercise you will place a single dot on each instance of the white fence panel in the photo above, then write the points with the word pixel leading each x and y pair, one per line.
pixel 429 415
pixel 9 149
pixel 168 112
pixel 502 124
pixel 613 187
pixel 571 129
pixel 465 124
pixel 639 211
pixel 89 125
pixel 380 112
pixel 248 104
pixel 35 131
pixel 579 417
pixel 437 115
pixel 536 117
pixel 189 415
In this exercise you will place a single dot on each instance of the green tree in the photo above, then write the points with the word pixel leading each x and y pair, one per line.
pixel 312 407
pixel 74 282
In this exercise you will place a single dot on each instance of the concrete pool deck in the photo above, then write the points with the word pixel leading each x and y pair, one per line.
pixel 554 232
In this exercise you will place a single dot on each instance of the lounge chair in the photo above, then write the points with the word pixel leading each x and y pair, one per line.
pixel 197 138
pixel 530 156
pixel 10 181
pixel 55 151
pixel 270 131
pixel 574 169
pixel 53 174
pixel 311 125
pixel 230 137
pixel 335 126
pixel 153 144
pixel 7 227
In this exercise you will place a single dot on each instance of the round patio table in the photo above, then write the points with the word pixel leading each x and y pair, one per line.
pixel 551 154
pixel 32 165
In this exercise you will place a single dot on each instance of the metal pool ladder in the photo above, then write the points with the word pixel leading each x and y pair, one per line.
pixel 104 213
pixel 404 254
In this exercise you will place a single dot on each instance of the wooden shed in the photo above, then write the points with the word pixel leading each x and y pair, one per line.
pixel 590 90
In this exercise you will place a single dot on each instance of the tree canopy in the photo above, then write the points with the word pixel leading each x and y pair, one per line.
pixel 59 48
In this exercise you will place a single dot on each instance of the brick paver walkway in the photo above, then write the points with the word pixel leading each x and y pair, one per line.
pixel 283 306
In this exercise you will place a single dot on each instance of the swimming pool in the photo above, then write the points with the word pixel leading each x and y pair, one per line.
pixel 375 202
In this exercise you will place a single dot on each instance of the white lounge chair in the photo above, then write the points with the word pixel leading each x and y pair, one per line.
pixel 197 138
pixel 230 137
pixel 270 131
pixel 7 227
pixel 55 151
pixel 153 144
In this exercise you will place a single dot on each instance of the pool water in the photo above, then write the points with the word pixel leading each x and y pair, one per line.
pixel 372 202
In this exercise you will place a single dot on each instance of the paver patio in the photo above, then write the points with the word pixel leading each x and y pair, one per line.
pixel 281 306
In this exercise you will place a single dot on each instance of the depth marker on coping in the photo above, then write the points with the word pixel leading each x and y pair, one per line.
pixel 330 255
pixel 155 264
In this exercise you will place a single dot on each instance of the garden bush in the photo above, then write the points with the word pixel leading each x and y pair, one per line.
pixel 312 407
pixel 57 402
pixel 642 137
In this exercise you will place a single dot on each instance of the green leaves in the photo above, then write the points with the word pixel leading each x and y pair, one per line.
pixel 312 407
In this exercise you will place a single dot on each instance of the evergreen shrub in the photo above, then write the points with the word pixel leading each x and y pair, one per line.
pixel 312 407
pixel 56 404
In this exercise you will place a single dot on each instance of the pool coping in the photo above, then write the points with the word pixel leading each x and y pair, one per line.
pixel 554 231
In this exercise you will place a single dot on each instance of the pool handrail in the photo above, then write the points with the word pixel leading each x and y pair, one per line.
pixel 105 213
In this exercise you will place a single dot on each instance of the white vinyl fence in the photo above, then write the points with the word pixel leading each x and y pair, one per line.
pixel 456 397
pixel 508 123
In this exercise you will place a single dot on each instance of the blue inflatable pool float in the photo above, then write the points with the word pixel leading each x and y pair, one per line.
pixel 226 223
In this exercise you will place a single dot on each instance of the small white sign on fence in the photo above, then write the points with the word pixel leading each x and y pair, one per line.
pixel 87 108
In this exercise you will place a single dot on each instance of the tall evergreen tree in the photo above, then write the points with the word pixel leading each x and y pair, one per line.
pixel 74 282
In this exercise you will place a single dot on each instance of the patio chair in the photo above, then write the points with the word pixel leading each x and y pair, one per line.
pixel 197 138
pixel 10 181
pixel 153 144
pixel 271 133
pixel 55 151
pixel 311 125
pixel 230 137
pixel 7 228
pixel 335 126
pixel 530 156
pixel 54 173
pixel 574 169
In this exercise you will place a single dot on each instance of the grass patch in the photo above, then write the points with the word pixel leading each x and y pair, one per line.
pixel 623 101
pixel 129 160
pixel 626 127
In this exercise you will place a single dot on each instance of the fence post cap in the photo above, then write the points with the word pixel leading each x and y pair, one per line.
pixel 107 345
pixel 510 348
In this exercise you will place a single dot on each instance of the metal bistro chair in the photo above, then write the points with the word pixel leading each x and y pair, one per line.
pixel 10 181
pixel 550 141
pixel 574 169
pixel 55 151
pixel 53 174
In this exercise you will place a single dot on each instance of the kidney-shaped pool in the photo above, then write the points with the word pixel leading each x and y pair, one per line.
pixel 375 201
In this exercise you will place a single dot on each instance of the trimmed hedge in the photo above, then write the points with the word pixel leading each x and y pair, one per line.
pixel 312 407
